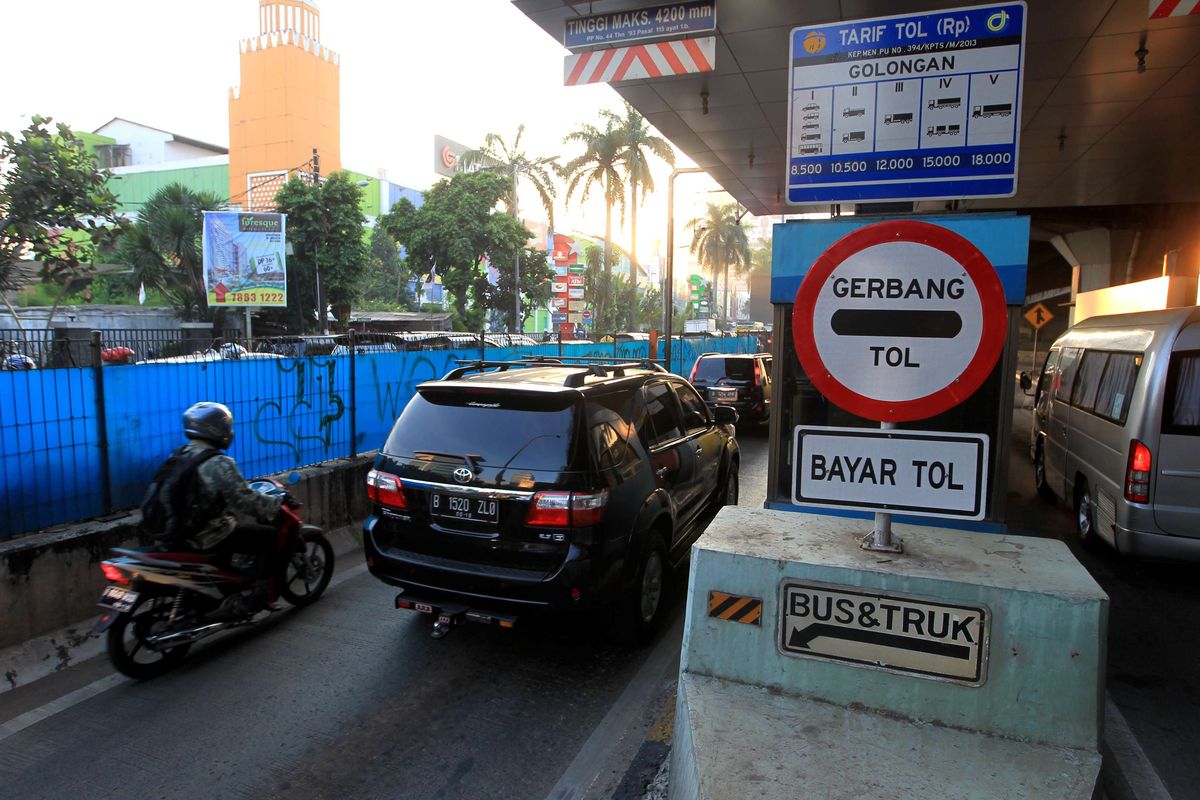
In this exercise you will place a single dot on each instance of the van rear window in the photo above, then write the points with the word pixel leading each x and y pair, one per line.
pixel 1182 407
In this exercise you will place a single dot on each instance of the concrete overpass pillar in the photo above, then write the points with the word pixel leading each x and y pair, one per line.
pixel 1090 255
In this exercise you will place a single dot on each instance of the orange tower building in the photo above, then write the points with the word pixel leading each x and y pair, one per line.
pixel 287 104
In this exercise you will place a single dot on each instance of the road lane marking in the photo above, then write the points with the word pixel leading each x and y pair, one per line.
pixel 72 699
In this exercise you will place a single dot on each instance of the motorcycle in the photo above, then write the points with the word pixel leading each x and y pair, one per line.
pixel 160 601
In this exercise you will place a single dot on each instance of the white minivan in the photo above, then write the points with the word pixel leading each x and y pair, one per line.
pixel 1117 430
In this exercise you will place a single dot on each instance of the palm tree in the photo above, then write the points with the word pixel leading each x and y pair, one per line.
pixel 496 156
pixel 718 242
pixel 598 166
pixel 164 250
pixel 637 144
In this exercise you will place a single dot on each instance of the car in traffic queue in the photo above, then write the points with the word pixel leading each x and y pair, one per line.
pixel 739 381
pixel 511 488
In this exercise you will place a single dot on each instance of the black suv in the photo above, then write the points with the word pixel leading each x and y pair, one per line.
pixel 742 382
pixel 513 487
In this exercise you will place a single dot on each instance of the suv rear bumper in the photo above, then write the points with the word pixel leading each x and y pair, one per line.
pixel 747 409
pixel 488 587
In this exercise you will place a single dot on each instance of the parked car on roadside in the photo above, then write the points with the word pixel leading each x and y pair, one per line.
pixel 742 382
pixel 1117 430
pixel 509 488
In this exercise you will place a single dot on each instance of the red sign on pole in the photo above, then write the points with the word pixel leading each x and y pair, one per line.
pixel 899 321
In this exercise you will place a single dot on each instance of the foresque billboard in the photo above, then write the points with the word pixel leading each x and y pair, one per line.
pixel 244 259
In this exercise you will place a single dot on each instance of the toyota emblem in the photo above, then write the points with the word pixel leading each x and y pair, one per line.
pixel 463 475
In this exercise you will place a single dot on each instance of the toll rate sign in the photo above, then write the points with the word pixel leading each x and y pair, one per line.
pixel 923 473
pixel 907 107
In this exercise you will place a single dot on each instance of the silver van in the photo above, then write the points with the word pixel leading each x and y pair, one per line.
pixel 1116 430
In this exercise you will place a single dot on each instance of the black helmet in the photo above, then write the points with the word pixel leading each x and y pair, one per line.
pixel 212 422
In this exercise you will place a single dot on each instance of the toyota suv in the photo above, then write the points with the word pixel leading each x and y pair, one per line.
pixel 508 488
pixel 742 382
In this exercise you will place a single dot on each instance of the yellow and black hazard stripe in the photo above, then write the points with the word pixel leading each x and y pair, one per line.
pixel 735 607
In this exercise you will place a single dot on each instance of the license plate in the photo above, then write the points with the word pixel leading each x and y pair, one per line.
pixel 723 394
pixel 424 608
pixel 118 598
pixel 464 507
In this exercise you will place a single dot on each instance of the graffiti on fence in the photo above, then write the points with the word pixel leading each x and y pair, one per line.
pixel 392 394
pixel 288 421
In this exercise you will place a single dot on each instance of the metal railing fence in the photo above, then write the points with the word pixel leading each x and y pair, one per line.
pixel 81 436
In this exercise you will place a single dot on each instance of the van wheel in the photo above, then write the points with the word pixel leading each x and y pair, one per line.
pixel 1084 514
pixel 1039 476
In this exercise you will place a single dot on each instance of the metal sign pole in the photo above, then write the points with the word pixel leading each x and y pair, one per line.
pixel 249 332
pixel 880 539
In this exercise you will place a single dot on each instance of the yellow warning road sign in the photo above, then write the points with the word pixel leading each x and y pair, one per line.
pixel 1038 316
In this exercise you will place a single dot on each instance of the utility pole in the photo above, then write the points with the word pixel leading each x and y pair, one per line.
pixel 669 278
pixel 322 317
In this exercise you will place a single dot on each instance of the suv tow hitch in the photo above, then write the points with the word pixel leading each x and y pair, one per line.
pixel 447 617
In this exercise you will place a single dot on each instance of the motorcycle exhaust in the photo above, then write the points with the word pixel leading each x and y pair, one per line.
pixel 188 636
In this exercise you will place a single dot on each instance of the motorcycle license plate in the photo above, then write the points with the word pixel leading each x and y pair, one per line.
pixel 118 598
pixel 471 509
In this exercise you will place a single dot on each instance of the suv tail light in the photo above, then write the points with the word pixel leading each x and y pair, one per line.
pixel 566 509
pixel 1137 473
pixel 758 378
pixel 695 367
pixel 385 489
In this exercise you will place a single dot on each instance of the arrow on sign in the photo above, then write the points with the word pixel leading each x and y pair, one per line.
pixel 801 637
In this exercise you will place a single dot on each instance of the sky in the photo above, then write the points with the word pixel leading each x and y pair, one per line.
pixel 410 69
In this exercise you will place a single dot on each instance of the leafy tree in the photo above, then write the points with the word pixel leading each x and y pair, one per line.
pixel 760 259
pixel 719 242
pixel 386 280
pixel 325 228
pixel 164 247
pixel 496 156
pixel 54 205
pixel 456 229
pixel 610 296
pixel 536 276
pixel 650 309
pixel 598 167
pixel 637 144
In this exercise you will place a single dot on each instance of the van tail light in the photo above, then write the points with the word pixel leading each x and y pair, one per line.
pixel 385 489
pixel 1137 473
pixel 113 573
pixel 566 509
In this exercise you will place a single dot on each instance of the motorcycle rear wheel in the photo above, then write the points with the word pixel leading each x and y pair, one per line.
pixel 307 573
pixel 127 648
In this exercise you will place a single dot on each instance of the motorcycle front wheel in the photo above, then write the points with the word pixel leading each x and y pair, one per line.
pixel 306 574
pixel 127 647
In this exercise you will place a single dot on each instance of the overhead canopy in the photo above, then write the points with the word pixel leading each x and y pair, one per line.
pixel 1094 131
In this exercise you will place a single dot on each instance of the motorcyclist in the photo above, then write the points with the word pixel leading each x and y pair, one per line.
pixel 226 508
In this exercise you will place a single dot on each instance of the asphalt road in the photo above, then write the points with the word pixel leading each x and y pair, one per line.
pixel 353 699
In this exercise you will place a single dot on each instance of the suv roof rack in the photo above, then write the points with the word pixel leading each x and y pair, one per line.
pixel 598 367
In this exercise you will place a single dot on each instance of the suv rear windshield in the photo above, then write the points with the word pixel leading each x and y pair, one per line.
pixel 497 429
pixel 713 369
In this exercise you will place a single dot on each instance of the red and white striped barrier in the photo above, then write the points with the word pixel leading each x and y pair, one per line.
pixel 1173 8
pixel 657 60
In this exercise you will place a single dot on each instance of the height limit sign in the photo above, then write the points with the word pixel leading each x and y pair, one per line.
pixel 899 321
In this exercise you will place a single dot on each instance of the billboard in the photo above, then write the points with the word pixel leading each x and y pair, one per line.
pixel 244 260
pixel 446 153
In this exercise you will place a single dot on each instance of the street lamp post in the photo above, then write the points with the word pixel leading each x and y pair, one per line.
pixel 517 261
pixel 669 278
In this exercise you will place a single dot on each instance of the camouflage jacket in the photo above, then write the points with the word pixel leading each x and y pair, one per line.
pixel 228 498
